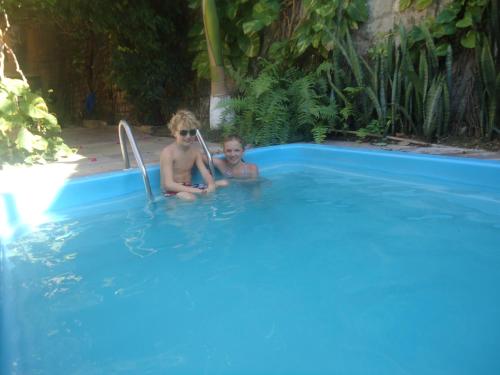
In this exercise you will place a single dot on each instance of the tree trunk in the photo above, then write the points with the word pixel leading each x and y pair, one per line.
pixel 219 91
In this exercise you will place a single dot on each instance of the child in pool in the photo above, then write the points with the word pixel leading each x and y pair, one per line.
pixel 232 165
pixel 178 159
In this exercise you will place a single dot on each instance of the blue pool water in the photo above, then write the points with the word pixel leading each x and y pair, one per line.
pixel 337 262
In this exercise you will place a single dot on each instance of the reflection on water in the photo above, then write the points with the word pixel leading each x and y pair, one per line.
pixel 59 283
pixel 135 231
pixel 45 246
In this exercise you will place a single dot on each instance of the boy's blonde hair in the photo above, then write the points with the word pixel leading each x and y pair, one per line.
pixel 183 118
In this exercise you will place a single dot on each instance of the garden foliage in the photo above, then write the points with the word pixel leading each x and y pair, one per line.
pixel 282 106
pixel 277 30
pixel 314 79
pixel 403 85
pixel 28 132
pixel 139 47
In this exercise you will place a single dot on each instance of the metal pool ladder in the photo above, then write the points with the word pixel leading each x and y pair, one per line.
pixel 207 152
pixel 124 128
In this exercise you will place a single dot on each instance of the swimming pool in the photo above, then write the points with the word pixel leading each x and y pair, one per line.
pixel 340 261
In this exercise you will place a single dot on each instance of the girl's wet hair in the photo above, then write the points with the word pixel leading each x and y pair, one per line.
pixel 183 118
pixel 232 137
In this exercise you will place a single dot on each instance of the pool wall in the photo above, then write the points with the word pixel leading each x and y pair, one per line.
pixel 480 175
pixel 484 174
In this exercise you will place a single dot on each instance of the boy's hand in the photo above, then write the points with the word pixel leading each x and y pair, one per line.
pixel 197 190
pixel 210 188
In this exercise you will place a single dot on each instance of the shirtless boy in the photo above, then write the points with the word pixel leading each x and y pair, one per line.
pixel 178 159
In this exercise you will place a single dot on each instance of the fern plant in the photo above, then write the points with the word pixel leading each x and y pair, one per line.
pixel 278 107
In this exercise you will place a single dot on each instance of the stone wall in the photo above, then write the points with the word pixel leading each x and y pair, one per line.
pixel 385 14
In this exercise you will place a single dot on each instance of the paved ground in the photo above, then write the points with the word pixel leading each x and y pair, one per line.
pixel 98 150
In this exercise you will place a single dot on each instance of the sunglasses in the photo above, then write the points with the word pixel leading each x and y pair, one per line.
pixel 191 132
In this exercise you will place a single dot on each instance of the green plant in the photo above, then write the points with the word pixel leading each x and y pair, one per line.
pixel 242 24
pixel 149 59
pixel 374 127
pixel 288 33
pixel 395 88
pixel 353 83
pixel 463 20
pixel 319 17
pixel 282 106
pixel 429 91
pixel 28 132
pixel 139 47
pixel 489 89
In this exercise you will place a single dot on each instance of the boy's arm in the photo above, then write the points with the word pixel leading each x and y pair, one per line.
pixel 207 177
pixel 167 172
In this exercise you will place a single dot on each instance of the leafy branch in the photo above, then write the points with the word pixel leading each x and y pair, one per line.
pixel 28 132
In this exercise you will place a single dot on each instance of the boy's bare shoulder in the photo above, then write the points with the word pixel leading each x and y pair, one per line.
pixel 196 150
pixel 167 150
pixel 166 154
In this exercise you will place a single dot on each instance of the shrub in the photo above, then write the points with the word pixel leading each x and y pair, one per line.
pixel 28 132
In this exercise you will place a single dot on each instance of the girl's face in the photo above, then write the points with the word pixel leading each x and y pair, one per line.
pixel 233 151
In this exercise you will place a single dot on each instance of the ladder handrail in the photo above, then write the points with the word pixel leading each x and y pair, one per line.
pixel 123 126
pixel 207 152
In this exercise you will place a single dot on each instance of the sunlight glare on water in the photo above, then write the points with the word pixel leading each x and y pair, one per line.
pixel 308 271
